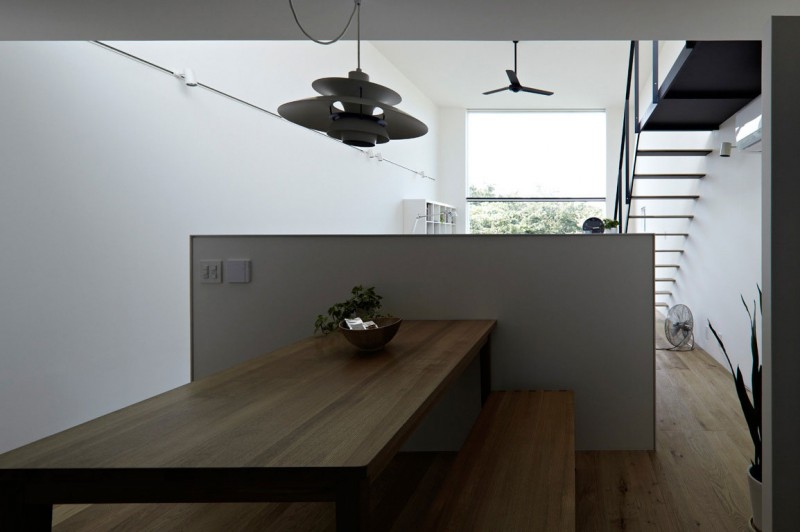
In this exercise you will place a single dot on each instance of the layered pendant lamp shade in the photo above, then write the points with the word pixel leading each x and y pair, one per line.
pixel 353 109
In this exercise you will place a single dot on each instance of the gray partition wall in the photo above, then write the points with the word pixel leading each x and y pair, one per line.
pixel 574 312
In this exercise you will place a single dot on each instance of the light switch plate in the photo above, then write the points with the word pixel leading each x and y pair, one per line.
pixel 210 271
pixel 237 271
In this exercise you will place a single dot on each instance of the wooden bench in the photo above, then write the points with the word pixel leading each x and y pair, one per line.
pixel 516 471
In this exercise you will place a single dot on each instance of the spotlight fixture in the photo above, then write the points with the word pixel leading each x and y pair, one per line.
pixel 188 77
pixel 353 109
pixel 725 149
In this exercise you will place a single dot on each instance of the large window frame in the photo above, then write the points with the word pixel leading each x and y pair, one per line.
pixel 474 200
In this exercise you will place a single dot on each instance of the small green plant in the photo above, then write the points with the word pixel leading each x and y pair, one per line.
pixel 750 409
pixel 363 303
pixel 608 223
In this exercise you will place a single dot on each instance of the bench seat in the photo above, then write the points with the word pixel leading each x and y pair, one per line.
pixel 516 471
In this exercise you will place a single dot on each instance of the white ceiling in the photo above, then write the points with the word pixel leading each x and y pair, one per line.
pixel 587 75
pixel 389 19
pixel 583 74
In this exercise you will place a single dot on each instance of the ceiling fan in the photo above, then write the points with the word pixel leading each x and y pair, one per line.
pixel 516 86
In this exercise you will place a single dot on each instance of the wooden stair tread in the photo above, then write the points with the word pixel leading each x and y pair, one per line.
pixel 662 305
pixel 516 470
pixel 673 153
pixel 662 216
pixel 664 280
pixel 667 266
pixel 668 176
pixel 666 197
pixel 669 251
pixel 663 293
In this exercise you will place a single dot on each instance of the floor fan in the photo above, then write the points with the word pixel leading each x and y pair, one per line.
pixel 679 327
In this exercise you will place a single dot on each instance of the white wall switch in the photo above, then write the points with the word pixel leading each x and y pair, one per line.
pixel 237 271
pixel 210 271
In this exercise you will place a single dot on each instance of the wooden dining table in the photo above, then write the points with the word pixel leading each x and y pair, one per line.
pixel 313 421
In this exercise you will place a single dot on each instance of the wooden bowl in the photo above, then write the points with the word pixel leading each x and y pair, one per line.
pixel 372 339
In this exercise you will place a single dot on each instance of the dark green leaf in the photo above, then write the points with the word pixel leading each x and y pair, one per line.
pixel 724 352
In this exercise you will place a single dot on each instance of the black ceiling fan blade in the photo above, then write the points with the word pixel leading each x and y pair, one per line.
pixel 536 91
pixel 496 90
pixel 512 77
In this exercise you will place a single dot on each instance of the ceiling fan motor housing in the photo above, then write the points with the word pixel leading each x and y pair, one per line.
pixel 515 85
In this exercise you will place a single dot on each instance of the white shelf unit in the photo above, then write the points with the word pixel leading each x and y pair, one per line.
pixel 426 217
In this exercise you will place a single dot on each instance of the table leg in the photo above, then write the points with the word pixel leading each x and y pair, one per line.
pixel 486 371
pixel 28 517
pixel 352 505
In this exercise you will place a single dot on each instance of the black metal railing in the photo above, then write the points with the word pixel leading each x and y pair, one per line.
pixel 627 157
pixel 624 147
pixel 632 180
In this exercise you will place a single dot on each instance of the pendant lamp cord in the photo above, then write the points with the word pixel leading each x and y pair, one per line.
pixel 358 33
pixel 356 7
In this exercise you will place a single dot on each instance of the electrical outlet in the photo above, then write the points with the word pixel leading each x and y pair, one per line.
pixel 210 271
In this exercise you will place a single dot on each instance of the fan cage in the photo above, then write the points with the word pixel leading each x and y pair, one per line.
pixel 679 328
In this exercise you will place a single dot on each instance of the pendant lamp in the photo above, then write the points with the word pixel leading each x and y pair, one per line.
pixel 353 109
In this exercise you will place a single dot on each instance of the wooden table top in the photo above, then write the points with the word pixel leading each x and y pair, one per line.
pixel 317 403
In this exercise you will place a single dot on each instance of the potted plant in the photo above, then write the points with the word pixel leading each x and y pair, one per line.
pixel 610 226
pixel 750 409
pixel 363 303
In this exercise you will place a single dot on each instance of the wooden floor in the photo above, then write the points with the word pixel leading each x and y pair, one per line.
pixel 695 480
pixel 697 477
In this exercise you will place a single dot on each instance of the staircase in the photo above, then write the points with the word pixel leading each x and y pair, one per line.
pixel 665 188
pixel 659 180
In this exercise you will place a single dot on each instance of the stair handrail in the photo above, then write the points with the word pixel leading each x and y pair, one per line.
pixel 633 179
pixel 638 126
pixel 624 149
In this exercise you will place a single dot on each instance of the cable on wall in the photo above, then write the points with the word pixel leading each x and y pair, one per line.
pixel 182 74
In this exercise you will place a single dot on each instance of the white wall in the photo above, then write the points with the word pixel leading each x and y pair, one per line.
pixel 109 165
pixel 614 119
pixel 722 257
pixel 668 52
pixel 453 161
pixel 535 286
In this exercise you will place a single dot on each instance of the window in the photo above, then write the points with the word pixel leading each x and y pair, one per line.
pixel 535 171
